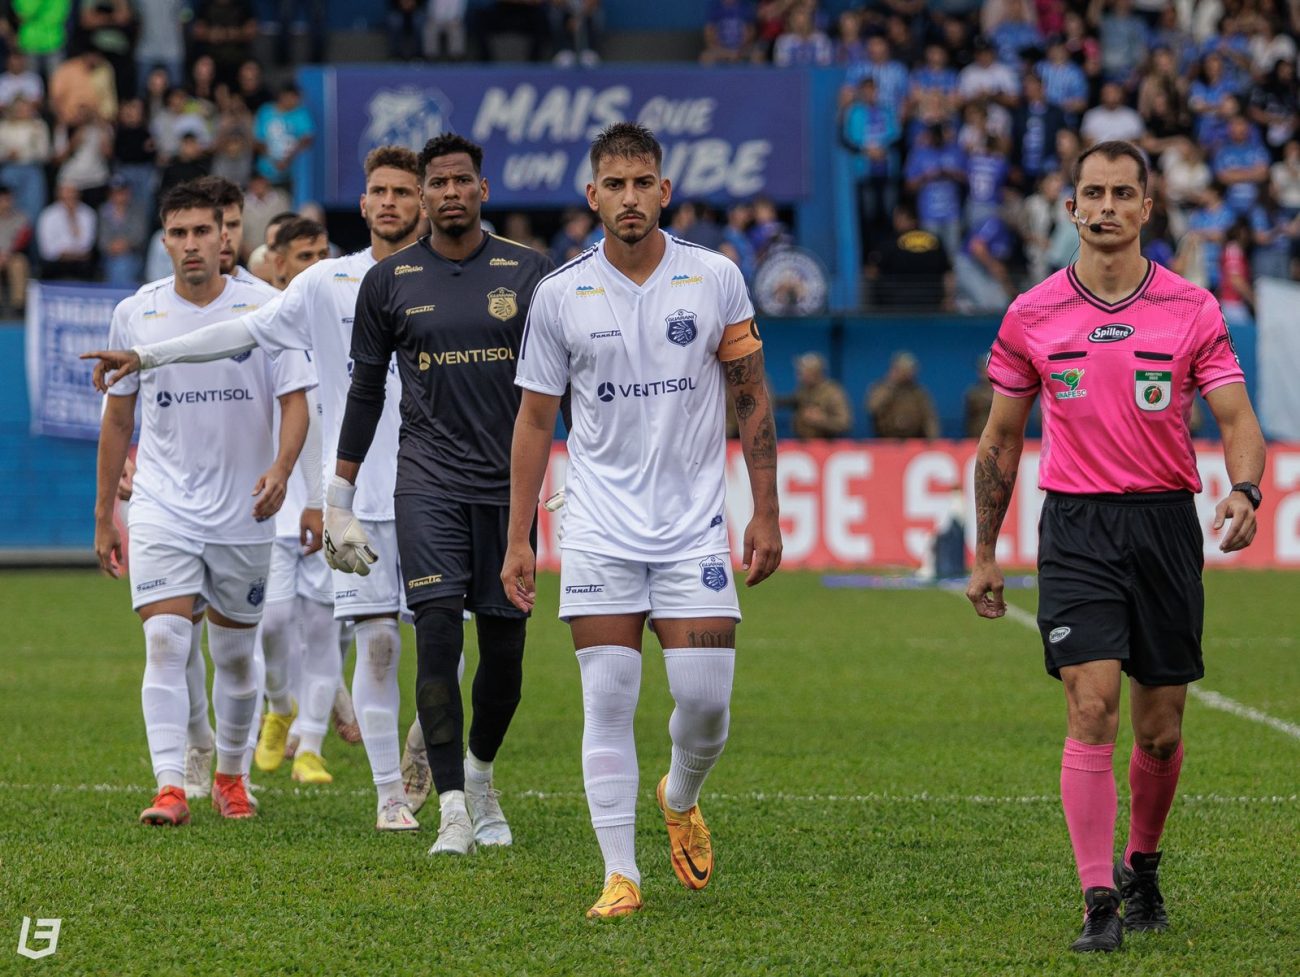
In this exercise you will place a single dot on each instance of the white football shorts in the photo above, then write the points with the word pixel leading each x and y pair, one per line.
pixel 381 590
pixel 294 575
pixel 231 578
pixel 593 583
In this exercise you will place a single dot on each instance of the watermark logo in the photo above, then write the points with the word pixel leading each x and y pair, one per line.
pixel 46 929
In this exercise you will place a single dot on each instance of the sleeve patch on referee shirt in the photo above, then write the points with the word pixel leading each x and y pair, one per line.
pixel 739 340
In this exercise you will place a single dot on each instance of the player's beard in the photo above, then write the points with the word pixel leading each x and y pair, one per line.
pixel 632 235
pixel 398 234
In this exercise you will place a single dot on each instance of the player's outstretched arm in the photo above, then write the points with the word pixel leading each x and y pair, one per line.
pixel 1244 455
pixel 214 342
pixel 747 383
pixel 270 488
pixel 996 463
pixel 115 429
pixel 530 450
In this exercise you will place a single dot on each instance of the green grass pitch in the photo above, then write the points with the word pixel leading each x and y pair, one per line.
pixel 887 805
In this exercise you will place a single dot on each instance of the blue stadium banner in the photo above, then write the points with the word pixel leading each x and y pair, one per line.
pixel 64 321
pixel 727 134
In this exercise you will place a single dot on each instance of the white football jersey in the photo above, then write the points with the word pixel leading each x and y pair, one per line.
pixel 206 432
pixel 647 450
pixel 289 518
pixel 315 313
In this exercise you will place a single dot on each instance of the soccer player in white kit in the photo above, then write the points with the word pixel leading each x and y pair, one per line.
pixel 299 637
pixel 200 743
pixel 650 331
pixel 206 437
pixel 316 313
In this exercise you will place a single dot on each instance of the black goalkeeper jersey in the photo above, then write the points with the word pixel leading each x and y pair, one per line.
pixel 456 327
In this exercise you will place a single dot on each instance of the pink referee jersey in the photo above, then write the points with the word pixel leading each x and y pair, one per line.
pixel 1117 380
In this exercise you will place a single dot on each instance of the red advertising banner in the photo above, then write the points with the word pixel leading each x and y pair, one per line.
pixel 857 504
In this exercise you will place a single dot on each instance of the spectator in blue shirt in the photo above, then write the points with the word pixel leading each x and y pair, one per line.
pixel 850 48
pixel 987 171
pixel 1241 165
pixel 1232 44
pixel 1170 34
pixel 1034 126
pixel 282 131
pixel 728 32
pixel 1064 83
pixel 935 172
pixel 983 268
pixel 1123 39
pixel 802 44
pixel 1210 87
pixel 1014 34
pixel 890 76
pixel 1273 233
pixel 870 128
pixel 935 75
pixel 1209 223
pixel 736 244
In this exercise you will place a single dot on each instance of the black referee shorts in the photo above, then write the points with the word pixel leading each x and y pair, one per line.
pixel 1119 576
pixel 454 549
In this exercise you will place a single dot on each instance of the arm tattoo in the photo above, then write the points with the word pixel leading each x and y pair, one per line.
pixel 747 369
pixel 745 405
pixel 712 639
pixel 993 491
pixel 762 449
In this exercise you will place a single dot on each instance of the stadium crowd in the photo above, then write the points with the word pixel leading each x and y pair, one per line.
pixel 962 120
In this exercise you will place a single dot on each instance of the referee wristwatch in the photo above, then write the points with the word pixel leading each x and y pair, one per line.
pixel 1251 491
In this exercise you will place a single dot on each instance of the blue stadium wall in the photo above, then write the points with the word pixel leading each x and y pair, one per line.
pixel 47 501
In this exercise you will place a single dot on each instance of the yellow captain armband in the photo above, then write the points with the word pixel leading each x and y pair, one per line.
pixel 738 340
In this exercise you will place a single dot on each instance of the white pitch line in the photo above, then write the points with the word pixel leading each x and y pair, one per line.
pixel 1215 700
pixel 746 797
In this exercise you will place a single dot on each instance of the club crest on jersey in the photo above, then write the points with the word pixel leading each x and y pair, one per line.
pixel 713 574
pixel 502 304
pixel 257 591
pixel 1071 380
pixel 240 357
pixel 1153 389
pixel 681 328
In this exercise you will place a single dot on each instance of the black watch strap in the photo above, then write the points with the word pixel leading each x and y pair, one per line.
pixel 1251 491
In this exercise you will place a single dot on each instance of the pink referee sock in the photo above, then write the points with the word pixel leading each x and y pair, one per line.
pixel 1089 799
pixel 1153 783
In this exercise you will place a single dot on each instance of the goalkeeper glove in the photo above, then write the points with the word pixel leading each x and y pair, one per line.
pixel 347 547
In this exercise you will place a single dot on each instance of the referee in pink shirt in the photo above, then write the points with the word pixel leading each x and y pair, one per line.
pixel 1117 347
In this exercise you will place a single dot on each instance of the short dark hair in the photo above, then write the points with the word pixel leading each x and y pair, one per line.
pixel 448 144
pixel 187 196
pixel 398 157
pixel 223 192
pixel 292 230
pixel 626 140
pixel 281 217
pixel 1111 149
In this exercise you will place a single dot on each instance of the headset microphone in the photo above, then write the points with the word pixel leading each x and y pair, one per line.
pixel 1083 222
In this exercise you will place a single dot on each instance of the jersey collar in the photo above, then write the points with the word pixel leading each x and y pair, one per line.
pixel 622 281
pixel 1105 306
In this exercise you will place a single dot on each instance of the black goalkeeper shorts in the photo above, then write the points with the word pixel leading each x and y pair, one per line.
pixel 454 549
pixel 1119 576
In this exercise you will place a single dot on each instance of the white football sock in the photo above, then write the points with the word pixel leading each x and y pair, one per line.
pixel 476 769
pixel 163 695
pixel 234 692
pixel 196 680
pixel 700 681
pixel 611 684
pixel 280 633
pixel 321 670
pixel 259 701
pixel 376 697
